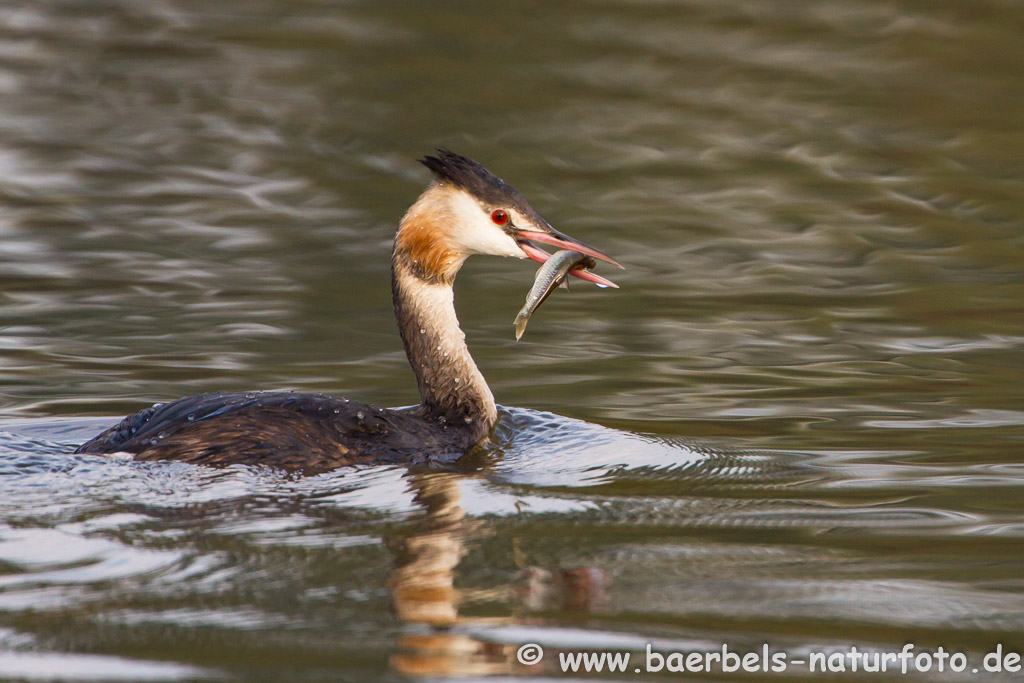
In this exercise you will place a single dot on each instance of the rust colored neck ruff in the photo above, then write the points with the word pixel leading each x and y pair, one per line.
pixel 452 389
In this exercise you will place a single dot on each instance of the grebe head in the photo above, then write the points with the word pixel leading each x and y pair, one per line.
pixel 468 210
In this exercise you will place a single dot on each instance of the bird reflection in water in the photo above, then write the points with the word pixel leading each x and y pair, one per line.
pixel 424 595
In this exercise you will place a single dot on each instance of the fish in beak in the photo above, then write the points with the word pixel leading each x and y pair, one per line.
pixel 548 235
pixel 549 277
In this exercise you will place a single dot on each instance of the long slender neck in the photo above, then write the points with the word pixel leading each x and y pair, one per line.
pixel 451 386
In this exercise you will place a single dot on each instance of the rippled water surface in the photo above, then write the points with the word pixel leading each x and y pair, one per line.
pixel 799 421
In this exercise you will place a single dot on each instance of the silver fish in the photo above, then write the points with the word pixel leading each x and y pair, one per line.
pixel 549 276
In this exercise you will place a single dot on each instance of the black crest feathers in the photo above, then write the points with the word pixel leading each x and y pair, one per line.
pixel 463 172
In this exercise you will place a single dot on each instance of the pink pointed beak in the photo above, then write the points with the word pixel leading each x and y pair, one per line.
pixel 557 239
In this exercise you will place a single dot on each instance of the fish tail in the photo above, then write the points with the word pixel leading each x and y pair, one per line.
pixel 521 321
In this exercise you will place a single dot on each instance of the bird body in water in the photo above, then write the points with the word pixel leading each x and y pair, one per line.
pixel 466 210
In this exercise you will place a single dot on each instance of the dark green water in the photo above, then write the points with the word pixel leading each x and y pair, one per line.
pixel 799 422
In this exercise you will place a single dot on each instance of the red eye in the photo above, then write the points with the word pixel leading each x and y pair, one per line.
pixel 499 216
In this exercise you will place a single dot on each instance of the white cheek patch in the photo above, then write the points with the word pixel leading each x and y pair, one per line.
pixel 474 232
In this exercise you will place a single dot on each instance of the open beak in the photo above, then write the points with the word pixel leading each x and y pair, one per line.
pixel 557 239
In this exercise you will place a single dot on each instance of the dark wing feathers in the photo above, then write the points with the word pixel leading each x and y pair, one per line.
pixel 295 431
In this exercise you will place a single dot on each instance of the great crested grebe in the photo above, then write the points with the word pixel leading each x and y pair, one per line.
pixel 466 210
